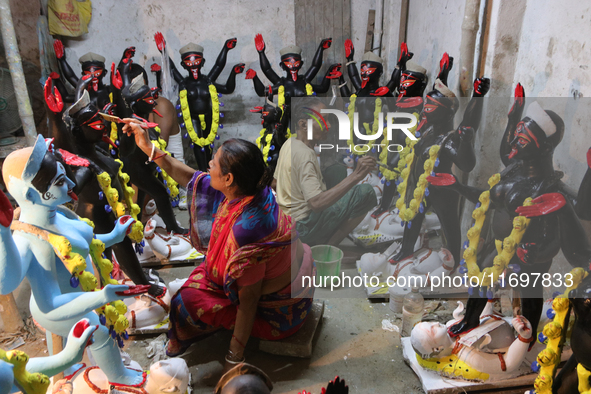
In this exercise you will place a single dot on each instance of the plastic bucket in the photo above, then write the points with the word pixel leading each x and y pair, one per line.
pixel 328 261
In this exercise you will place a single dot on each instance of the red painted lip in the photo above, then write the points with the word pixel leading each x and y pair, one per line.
pixel 72 195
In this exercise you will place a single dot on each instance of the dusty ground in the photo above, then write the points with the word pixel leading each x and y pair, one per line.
pixel 350 342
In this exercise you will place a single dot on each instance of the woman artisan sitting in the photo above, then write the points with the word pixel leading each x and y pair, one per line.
pixel 245 283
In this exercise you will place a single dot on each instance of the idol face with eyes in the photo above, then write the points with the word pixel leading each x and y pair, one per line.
pixel 370 72
pixel 96 70
pixel 192 62
pixel 528 139
pixel 52 184
pixel 411 84
pixel 93 128
pixel 292 64
pixel 145 103
pixel 437 108
pixel 430 339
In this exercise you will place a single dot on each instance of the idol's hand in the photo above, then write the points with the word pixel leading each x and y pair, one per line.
pixel 405 55
pixel 349 50
pixel 259 43
pixel 326 43
pixel 122 227
pixel 522 326
pixel 116 79
pixel 58 48
pixel 160 43
pixel 53 98
pixel 382 90
pixel 79 338
pixel 481 87
pixel 334 71
pixel 528 252
pixel 155 68
pixel 445 64
pixel 519 98
pixel 442 179
pixel 231 43
pixel 239 68
pixel 543 205
pixel 128 53
pixel 250 74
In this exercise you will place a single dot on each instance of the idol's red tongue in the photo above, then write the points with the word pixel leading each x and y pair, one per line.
pixel 108 141
pixel 294 75
pixel 72 195
pixel 195 74
pixel 513 153
pixel 364 82
pixel 95 84
pixel 157 113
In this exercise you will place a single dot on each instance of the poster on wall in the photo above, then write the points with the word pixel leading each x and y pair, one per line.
pixel 69 17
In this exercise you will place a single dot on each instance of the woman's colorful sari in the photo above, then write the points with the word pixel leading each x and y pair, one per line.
pixel 235 235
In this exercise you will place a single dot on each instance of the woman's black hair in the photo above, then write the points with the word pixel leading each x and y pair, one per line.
pixel 244 160
pixel 46 173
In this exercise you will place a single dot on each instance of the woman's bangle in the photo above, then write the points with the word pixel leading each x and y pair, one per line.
pixel 159 156
pixel 237 340
pixel 232 358
pixel 151 154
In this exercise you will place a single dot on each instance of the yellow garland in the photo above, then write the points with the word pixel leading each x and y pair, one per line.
pixel 215 117
pixel 265 149
pixel 408 213
pixel 452 366
pixel 374 128
pixel 281 104
pixel 114 134
pixel 31 383
pixel 170 183
pixel 584 376
pixel 549 358
pixel 75 263
pixel 104 180
pixel 137 229
pixel 388 174
pixel 505 249
pixel 479 215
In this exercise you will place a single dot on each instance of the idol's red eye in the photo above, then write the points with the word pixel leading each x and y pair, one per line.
pixel 265 113
pixel 430 108
pixel 97 125
pixel 149 101
pixel 193 61
pixel 408 83
pixel 522 141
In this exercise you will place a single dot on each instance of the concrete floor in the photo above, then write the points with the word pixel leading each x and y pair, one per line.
pixel 350 342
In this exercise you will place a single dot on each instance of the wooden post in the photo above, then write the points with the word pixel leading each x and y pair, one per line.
pixel 371 22
pixel 57 346
pixel 11 317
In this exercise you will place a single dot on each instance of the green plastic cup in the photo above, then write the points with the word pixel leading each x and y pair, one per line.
pixel 328 261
